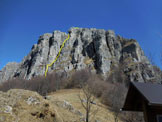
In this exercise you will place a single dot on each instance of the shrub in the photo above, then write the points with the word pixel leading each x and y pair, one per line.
pixel 40 84
pixel 78 78
pixel 11 84
pixel 99 85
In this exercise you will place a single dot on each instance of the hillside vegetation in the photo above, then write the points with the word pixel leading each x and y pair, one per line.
pixel 66 95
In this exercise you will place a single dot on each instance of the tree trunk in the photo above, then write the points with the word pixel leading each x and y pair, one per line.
pixel 87 116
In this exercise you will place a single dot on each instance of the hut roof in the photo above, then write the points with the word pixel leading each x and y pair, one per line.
pixel 140 92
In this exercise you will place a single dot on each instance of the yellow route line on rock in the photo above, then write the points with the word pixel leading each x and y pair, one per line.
pixel 48 65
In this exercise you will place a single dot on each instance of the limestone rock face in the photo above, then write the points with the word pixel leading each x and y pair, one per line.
pixel 96 49
pixel 9 71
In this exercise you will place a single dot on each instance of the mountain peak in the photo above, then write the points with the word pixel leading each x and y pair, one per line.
pixel 96 49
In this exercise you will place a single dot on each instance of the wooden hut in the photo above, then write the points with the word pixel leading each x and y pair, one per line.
pixel 146 98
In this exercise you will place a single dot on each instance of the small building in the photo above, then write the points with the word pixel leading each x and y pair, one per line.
pixel 146 98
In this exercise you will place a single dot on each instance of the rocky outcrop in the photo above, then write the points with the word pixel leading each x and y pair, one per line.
pixel 25 106
pixel 9 71
pixel 95 49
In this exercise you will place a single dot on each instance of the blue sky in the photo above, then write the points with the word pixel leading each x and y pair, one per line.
pixel 23 21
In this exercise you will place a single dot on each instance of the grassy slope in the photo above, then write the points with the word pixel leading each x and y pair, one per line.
pixel 71 96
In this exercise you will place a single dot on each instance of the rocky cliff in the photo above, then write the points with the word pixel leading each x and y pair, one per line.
pixel 96 49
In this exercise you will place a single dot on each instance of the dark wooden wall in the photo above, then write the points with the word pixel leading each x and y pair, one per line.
pixel 151 112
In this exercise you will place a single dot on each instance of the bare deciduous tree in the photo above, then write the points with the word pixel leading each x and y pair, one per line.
pixel 161 58
pixel 151 57
pixel 78 78
pixel 87 99
pixel 114 97
pixel 132 117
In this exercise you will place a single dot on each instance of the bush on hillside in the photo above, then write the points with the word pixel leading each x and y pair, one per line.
pixel 40 84
pixel 78 78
